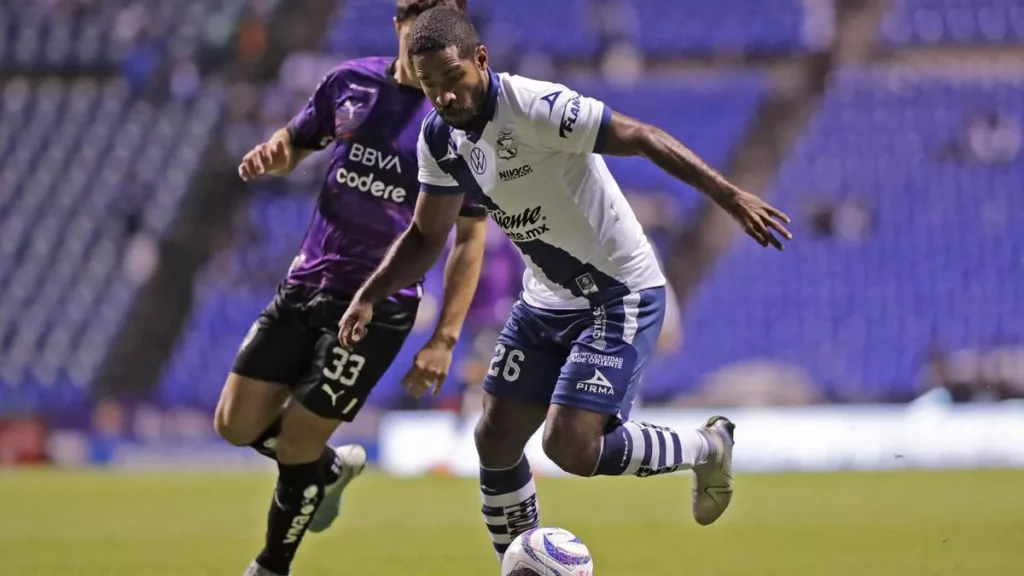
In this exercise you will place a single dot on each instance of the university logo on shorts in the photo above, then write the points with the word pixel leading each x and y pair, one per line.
pixel 478 161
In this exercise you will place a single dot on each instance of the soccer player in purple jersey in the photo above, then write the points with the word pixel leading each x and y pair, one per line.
pixel 292 385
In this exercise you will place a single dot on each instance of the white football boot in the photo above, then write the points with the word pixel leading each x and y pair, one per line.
pixel 255 569
pixel 712 485
pixel 353 461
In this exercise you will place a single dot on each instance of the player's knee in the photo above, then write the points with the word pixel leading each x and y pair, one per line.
pixel 231 428
pixel 496 445
pixel 572 448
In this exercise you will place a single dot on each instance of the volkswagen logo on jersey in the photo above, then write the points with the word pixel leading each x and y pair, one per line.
pixel 478 161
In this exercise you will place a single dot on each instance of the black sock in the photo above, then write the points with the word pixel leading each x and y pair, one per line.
pixel 300 488
pixel 266 444
pixel 330 466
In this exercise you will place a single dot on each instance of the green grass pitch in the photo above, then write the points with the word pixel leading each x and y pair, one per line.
pixel 887 524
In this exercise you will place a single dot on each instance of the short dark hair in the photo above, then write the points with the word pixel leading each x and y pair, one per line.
pixel 406 9
pixel 440 28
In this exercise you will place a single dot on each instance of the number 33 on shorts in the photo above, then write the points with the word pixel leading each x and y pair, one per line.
pixel 344 370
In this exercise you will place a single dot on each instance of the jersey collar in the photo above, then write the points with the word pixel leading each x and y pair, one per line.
pixel 490 106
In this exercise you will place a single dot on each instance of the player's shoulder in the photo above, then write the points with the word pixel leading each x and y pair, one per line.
pixel 529 97
pixel 371 69
pixel 435 133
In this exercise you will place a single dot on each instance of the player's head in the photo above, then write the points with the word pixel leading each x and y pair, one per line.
pixel 450 64
pixel 406 12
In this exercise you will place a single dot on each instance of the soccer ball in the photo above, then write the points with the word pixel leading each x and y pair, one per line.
pixel 547 552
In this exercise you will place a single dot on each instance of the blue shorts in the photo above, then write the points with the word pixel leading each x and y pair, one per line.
pixel 591 359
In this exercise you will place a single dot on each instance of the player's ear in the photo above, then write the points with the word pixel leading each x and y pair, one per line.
pixel 481 57
pixel 398 29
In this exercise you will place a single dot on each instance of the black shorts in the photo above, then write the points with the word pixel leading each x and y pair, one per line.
pixel 294 342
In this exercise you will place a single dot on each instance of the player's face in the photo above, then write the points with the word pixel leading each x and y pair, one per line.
pixel 456 87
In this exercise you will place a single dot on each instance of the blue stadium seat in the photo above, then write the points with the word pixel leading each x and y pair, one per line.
pixel 62 236
pixel 362 27
pixel 667 28
pixel 858 316
pixel 961 22
pixel 709 113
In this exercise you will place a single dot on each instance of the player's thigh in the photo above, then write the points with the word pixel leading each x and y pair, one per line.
pixel 526 361
pixel 247 407
pixel 504 428
pixel 340 380
pixel 276 353
pixel 606 364
pixel 520 380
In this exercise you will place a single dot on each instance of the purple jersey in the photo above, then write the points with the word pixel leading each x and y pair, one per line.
pixel 369 193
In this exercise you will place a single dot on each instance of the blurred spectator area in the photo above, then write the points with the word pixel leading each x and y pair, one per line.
pixel 90 180
pixel 917 247
pixel 133 37
pixel 581 28
pixel 957 22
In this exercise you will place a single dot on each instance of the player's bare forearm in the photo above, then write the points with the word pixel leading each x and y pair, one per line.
pixel 291 158
pixel 408 259
pixel 629 137
pixel 461 274
pixel 416 250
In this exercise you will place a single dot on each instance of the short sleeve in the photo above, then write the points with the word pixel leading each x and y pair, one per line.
pixel 565 121
pixel 472 209
pixel 434 180
pixel 313 127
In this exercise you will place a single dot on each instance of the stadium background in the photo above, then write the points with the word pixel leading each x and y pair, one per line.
pixel 889 334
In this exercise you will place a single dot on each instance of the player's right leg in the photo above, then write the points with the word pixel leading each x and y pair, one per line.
pixel 278 351
pixel 517 390
pixel 588 431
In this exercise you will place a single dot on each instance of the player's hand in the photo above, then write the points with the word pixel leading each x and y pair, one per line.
pixel 352 327
pixel 429 369
pixel 266 158
pixel 760 220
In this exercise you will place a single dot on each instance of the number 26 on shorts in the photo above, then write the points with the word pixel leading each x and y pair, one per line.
pixel 510 361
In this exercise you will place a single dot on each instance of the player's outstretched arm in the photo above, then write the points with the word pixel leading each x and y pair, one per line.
pixel 408 259
pixel 461 274
pixel 627 136
pixel 275 157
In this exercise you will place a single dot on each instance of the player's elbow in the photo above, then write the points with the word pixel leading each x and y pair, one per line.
pixel 631 137
pixel 428 242
pixel 471 232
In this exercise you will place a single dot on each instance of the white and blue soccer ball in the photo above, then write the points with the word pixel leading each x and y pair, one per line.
pixel 547 552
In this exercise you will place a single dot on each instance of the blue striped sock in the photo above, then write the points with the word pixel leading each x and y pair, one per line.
pixel 509 503
pixel 642 449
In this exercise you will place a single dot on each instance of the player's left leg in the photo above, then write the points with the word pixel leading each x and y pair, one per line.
pixel 587 432
pixel 333 392
pixel 300 487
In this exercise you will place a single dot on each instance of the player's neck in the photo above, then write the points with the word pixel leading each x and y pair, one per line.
pixel 405 75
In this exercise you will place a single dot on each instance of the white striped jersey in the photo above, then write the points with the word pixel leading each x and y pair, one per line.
pixel 535 166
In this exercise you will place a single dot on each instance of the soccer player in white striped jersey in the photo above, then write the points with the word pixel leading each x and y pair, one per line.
pixel 573 351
